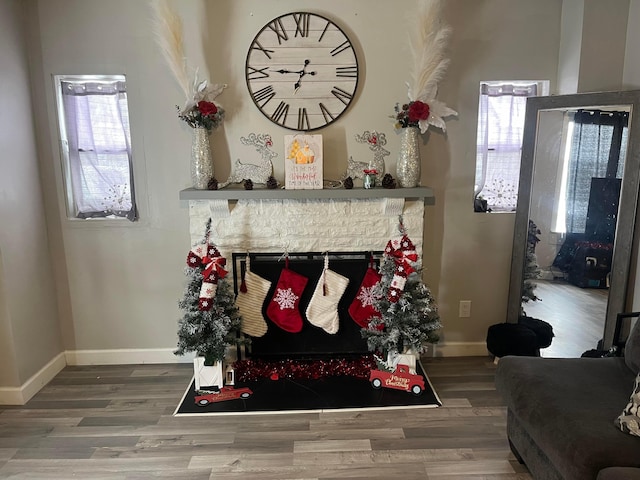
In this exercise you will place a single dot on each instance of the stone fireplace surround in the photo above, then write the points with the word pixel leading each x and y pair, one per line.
pixel 301 222
pixel 273 225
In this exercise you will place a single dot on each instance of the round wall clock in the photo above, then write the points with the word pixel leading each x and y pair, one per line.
pixel 302 71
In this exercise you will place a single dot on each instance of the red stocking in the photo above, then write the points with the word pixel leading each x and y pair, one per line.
pixel 362 309
pixel 283 309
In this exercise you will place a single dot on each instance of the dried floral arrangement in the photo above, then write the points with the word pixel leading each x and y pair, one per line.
pixel 200 108
pixel 428 39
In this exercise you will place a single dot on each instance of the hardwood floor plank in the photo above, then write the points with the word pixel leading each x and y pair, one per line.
pixel 421 443
pixel 331 446
pixel 63 405
pixel 241 460
pixel 7 453
pixel 119 420
pixel 382 456
pixel 82 442
pixel 53 452
pixel 86 468
pixel 332 435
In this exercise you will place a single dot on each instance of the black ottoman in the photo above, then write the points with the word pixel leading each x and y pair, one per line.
pixel 512 339
pixel 542 329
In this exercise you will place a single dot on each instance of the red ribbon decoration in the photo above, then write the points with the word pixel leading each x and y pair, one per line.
pixel 402 251
pixel 210 257
pixel 213 267
pixel 402 255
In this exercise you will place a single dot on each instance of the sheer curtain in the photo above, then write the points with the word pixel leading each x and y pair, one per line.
pixel 99 148
pixel 597 151
pixel 500 127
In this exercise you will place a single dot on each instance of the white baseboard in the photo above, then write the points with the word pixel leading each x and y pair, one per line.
pixel 125 356
pixel 21 395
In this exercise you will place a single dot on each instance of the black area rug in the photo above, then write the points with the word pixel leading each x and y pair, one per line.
pixel 311 395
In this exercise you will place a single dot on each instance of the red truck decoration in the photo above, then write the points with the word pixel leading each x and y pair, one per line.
pixel 205 397
pixel 400 379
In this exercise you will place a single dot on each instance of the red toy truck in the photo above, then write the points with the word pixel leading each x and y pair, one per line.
pixel 400 379
pixel 205 397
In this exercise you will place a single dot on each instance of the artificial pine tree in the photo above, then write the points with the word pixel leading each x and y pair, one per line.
pixel 409 315
pixel 208 330
pixel 531 267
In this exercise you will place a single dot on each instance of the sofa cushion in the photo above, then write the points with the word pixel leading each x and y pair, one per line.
pixel 629 419
pixel 567 406
pixel 619 473
pixel 632 349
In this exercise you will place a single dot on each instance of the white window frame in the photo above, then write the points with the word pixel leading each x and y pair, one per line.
pixel 501 193
pixel 73 211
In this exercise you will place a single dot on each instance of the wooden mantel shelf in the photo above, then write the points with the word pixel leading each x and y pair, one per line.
pixel 237 193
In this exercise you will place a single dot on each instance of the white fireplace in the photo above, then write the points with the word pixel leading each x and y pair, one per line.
pixel 306 224
pixel 268 223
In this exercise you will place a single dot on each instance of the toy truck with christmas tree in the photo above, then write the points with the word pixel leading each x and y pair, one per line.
pixel 399 379
pixel 205 397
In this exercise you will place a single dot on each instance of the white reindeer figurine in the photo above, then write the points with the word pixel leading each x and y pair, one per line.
pixel 248 171
pixel 375 141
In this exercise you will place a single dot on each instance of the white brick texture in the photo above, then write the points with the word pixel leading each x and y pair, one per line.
pixel 273 226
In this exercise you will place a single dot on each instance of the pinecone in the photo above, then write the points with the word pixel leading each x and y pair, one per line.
pixel 388 181
pixel 272 183
pixel 348 183
pixel 248 184
pixel 213 184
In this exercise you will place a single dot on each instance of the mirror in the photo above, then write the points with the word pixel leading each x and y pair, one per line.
pixel 581 194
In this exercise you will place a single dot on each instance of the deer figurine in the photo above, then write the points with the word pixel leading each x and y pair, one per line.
pixel 375 141
pixel 248 171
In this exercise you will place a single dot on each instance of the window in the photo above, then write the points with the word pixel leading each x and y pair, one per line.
pixel 501 114
pixel 96 146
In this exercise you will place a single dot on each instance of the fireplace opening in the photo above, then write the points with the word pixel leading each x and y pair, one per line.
pixel 311 342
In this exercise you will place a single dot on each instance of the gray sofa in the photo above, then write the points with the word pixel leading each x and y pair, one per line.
pixel 561 412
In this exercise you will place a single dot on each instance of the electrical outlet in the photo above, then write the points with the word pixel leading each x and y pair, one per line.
pixel 464 310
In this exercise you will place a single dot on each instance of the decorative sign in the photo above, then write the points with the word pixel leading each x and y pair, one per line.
pixel 303 162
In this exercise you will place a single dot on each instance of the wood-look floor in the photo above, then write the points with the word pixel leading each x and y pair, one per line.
pixel 577 316
pixel 116 422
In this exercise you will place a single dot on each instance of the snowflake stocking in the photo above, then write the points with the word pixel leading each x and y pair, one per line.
pixel 251 296
pixel 283 309
pixel 362 309
pixel 323 306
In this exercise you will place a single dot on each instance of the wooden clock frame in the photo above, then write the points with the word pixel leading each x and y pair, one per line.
pixel 302 71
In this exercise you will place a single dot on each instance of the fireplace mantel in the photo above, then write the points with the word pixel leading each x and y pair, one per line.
pixel 237 193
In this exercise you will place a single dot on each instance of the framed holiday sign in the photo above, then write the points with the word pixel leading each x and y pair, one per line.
pixel 303 162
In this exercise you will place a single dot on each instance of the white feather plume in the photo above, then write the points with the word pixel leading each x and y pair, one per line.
pixel 167 27
pixel 428 40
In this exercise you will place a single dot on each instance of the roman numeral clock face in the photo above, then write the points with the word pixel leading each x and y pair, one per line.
pixel 302 71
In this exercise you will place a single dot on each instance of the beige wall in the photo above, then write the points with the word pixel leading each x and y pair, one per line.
pixel 125 279
pixel 29 324
pixel 117 283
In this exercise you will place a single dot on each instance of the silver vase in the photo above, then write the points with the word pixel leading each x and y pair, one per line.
pixel 201 162
pixel 408 166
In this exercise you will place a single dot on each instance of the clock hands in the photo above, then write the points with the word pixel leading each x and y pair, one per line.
pixel 301 74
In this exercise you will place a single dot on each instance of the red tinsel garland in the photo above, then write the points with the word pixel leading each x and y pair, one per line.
pixel 251 370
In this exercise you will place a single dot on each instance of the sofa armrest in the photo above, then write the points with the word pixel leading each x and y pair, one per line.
pixel 619 473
